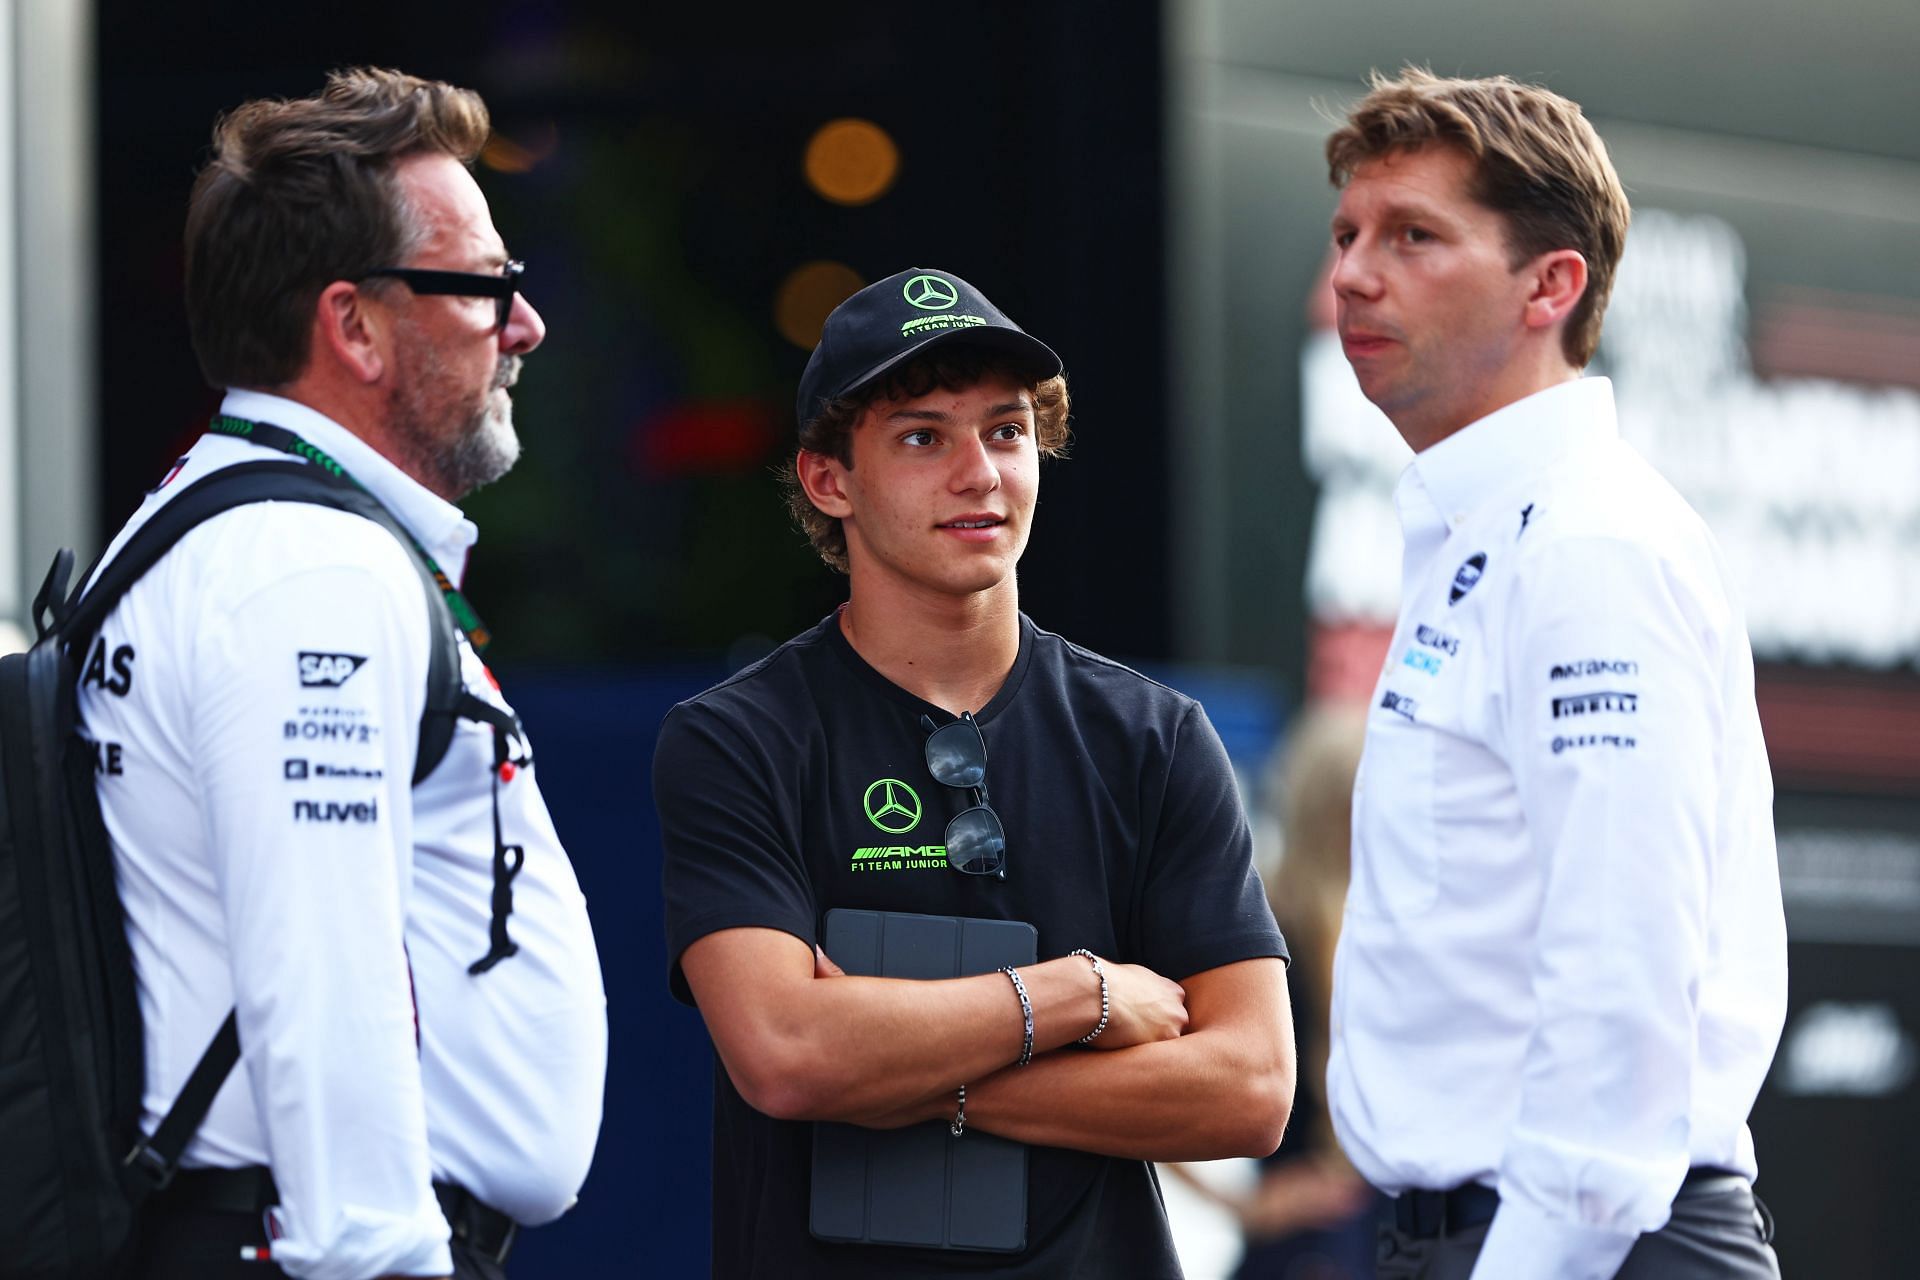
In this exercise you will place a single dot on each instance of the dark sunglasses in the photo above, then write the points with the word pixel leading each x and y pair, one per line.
pixel 957 757
pixel 460 284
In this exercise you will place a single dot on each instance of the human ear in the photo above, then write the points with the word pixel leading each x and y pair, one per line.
pixel 823 480
pixel 348 327
pixel 1559 281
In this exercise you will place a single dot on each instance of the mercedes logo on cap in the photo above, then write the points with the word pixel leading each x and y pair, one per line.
pixel 930 293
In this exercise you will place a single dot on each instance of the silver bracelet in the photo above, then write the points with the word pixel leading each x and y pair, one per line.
pixel 1026 1012
pixel 958 1125
pixel 1101 974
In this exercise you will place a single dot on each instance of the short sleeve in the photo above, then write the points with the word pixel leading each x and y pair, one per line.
pixel 732 858
pixel 1202 904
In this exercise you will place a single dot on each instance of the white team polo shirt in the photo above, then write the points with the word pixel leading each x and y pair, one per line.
pixel 257 698
pixel 1562 971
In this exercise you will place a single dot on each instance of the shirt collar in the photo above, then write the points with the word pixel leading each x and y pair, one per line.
pixel 1510 445
pixel 440 526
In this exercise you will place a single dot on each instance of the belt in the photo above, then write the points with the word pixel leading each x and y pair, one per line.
pixel 482 1230
pixel 1426 1214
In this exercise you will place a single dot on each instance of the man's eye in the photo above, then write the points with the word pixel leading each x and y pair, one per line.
pixel 918 439
pixel 1010 431
pixel 1341 239
pixel 1416 235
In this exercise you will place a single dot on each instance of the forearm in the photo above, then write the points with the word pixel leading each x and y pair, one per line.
pixel 833 1047
pixel 1225 1088
pixel 1205 1096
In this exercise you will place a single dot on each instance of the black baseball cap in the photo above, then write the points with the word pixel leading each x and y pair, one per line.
pixel 895 319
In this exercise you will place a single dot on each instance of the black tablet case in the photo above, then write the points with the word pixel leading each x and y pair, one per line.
pixel 920 1185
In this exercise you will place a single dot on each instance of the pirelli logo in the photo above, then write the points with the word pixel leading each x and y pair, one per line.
pixel 1592 704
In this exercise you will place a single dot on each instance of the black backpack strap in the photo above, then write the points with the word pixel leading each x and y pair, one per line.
pixel 157 1158
pixel 278 481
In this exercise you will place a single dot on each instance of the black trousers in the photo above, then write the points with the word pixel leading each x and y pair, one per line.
pixel 1721 1233
pixel 205 1244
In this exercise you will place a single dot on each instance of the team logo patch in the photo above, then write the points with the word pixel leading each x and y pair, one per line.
pixel 1466 576
pixel 328 670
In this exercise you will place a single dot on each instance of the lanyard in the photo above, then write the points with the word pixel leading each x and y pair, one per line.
pixel 265 433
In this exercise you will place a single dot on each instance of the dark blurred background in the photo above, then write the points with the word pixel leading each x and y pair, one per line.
pixel 1139 184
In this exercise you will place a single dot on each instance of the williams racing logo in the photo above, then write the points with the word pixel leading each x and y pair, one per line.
pixel 1466 576
pixel 328 670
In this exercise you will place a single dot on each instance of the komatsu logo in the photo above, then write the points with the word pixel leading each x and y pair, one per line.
pixel 329 670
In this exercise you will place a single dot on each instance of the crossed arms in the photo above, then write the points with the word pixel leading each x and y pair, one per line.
pixel 1195 1070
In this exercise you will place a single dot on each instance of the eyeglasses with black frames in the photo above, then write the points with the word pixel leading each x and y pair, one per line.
pixel 460 284
pixel 957 757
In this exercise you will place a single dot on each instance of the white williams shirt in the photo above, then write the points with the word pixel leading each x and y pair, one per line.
pixel 257 701
pixel 1563 966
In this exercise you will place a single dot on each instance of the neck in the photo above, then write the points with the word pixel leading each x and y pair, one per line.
pixel 952 651
pixel 363 411
pixel 1520 379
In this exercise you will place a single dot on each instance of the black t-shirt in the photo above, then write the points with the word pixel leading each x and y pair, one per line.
pixel 1125 836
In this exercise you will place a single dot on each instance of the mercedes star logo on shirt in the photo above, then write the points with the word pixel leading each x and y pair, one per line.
pixel 893 806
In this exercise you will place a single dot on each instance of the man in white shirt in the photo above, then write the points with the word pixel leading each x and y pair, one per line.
pixel 1562 973
pixel 421 1019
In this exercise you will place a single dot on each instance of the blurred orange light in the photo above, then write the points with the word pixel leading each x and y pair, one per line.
pixel 505 155
pixel 809 292
pixel 852 161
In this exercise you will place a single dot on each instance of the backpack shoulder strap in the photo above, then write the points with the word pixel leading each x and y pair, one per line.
pixel 279 481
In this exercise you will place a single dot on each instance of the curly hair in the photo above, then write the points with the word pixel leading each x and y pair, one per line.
pixel 299 194
pixel 1536 161
pixel 952 368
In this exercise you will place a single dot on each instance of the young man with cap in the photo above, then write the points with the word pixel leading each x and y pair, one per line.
pixel 1562 972
pixel 1155 1023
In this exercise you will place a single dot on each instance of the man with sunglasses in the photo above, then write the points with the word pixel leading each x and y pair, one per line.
pixel 927 749
pixel 408 962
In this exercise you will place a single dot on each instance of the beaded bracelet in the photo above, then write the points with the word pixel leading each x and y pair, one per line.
pixel 958 1125
pixel 1026 1012
pixel 1101 974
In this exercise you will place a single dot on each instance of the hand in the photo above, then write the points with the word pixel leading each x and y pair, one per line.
pixel 1142 1007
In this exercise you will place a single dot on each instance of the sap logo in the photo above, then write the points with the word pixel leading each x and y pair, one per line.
pixel 328 670
pixel 120 683
pixel 1400 704
pixel 1434 639
pixel 1593 667
pixel 361 811
pixel 1588 704
pixel 1420 660
pixel 329 731
pixel 1466 577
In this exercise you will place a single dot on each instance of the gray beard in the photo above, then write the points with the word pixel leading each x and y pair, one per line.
pixel 487 446
pixel 454 460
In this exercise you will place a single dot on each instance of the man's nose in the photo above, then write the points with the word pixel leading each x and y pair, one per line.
pixel 524 329
pixel 1353 271
pixel 973 468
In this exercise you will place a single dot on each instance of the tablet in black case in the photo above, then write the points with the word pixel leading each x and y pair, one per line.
pixel 921 1186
